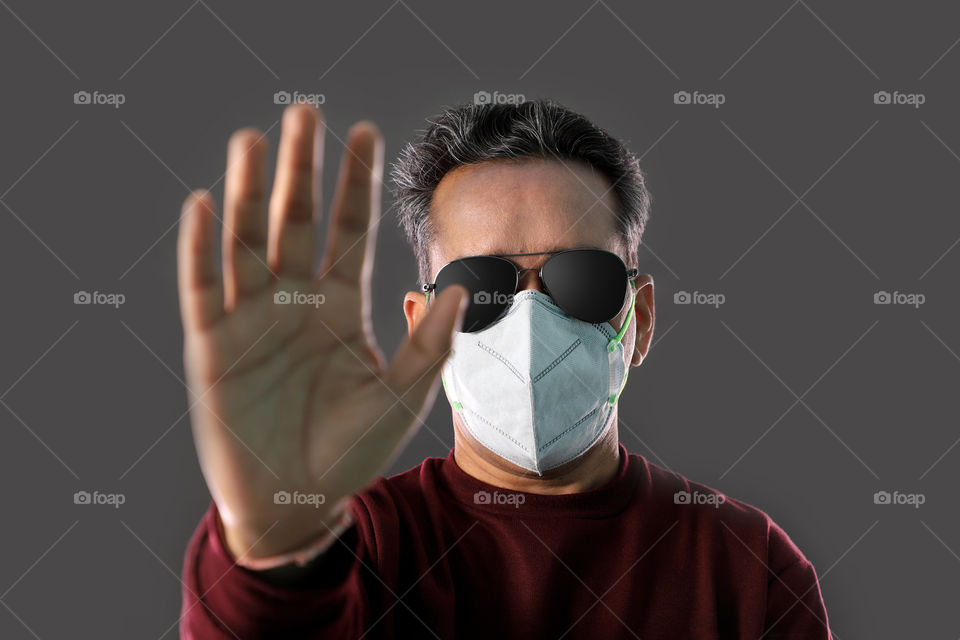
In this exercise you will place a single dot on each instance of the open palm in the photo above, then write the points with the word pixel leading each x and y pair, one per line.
pixel 289 391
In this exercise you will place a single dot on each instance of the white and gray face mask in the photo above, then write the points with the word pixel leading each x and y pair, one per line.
pixel 537 387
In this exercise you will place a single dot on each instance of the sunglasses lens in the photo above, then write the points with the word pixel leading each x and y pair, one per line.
pixel 491 282
pixel 588 284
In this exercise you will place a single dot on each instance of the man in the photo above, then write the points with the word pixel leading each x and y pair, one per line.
pixel 525 221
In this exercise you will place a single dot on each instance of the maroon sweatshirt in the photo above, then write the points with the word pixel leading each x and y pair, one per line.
pixel 437 553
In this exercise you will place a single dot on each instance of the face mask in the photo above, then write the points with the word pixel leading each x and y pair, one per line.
pixel 537 387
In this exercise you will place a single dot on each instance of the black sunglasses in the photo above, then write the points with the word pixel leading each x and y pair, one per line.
pixel 588 284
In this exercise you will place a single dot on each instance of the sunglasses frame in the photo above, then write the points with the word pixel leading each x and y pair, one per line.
pixel 431 286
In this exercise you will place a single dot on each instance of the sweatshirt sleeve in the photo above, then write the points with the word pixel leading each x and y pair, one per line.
pixel 795 609
pixel 223 600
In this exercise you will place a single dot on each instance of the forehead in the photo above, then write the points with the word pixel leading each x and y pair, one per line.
pixel 521 206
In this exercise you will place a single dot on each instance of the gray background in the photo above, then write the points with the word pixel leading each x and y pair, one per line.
pixel 797 199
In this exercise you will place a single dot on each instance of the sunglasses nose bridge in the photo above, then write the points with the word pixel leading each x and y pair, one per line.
pixel 530 279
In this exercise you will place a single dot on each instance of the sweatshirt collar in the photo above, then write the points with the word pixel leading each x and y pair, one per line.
pixel 606 500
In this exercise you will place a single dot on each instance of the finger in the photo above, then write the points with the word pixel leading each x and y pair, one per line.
pixel 294 204
pixel 244 234
pixel 422 354
pixel 352 235
pixel 201 292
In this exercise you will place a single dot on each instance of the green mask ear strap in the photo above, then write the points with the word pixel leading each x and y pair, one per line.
pixel 456 405
pixel 614 341
pixel 612 345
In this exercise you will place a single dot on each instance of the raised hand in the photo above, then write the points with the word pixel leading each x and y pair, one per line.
pixel 288 388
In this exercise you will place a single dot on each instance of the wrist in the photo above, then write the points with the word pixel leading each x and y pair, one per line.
pixel 289 540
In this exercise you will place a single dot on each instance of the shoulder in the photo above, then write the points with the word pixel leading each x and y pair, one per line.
pixel 394 496
pixel 392 513
pixel 704 511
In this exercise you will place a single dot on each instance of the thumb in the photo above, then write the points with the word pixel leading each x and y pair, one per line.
pixel 420 358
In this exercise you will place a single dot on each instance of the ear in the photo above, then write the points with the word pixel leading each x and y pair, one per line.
pixel 643 308
pixel 414 308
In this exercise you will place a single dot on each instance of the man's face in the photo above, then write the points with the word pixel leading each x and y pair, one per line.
pixel 533 205
pixel 524 207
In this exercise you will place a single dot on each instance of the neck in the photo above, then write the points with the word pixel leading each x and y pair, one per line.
pixel 593 469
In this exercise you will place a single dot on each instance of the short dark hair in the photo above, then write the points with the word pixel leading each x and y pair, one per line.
pixel 470 134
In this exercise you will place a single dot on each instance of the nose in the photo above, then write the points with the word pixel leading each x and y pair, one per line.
pixel 530 279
